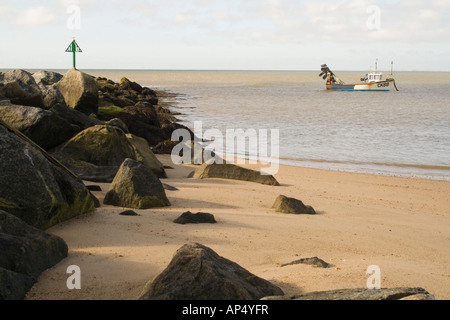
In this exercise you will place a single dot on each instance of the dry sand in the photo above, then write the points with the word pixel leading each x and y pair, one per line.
pixel 399 224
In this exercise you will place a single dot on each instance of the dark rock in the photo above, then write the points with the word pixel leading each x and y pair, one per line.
pixel 128 213
pixel 13 285
pixel 100 145
pixel 96 153
pixel 140 124
pixel 95 200
pixel 126 84
pixel 80 91
pixel 231 171
pixel 118 123
pixel 198 273
pixel 43 127
pixel 145 113
pixel 90 172
pixel 291 205
pixel 357 294
pixel 20 87
pixel 314 261
pixel 36 189
pixel 94 188
pixel 135 186
pixel 199 217
pixel 74 117
pixel 165 147
pixel 25 253
pixel 169 187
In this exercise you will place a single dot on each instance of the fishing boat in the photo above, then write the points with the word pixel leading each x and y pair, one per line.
pixel 372 81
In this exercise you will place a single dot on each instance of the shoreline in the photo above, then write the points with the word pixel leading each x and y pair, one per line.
pixel 399 224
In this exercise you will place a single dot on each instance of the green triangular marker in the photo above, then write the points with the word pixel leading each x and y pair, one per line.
pixel 73 47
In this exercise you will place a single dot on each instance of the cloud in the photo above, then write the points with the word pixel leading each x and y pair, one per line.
pixel 36 16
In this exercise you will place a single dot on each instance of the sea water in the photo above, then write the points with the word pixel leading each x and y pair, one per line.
pixel 401 133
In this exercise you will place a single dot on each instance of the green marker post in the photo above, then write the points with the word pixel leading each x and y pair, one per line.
pixel 73 47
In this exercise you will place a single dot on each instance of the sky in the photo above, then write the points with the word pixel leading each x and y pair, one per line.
pixel 227 34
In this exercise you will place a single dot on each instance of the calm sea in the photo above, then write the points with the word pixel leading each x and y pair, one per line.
pixel 404 133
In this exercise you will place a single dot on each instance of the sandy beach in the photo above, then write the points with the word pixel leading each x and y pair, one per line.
pixel 399 224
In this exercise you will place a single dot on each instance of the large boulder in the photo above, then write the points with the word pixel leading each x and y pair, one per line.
pixel 47 80
pixel 401 293
pixel 103 148
pixel 43 127
pixel 21 88
pixel 231 171
pixel 144 154
pixel 80 91
pixel 291 205
pixel 74 117
pixel 135 186
pixel 196 272
pixel 141 120
pixel 34 187
pixel 25 253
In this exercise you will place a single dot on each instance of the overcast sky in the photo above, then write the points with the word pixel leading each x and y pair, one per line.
pixel 227 34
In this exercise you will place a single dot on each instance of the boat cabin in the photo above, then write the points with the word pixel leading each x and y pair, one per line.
pixel 373 77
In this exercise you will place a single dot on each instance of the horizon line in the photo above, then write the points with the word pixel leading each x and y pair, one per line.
pixel 206 70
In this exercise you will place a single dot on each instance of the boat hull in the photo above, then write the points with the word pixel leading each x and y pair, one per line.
pixel 375 86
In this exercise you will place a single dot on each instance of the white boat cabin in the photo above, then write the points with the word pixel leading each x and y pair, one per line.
pixel 373 77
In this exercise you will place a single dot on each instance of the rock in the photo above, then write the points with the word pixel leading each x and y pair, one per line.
pixel 33 188
pixel 128 213
pixel 126 84
pixel 164 147
pixel 13 285
pixel 196 272
pixel 74 117
pixel 118 123
pixel 80 91
pixel 356 294
pixel 231 171
pixel 169 187
pixel 51 96
pixel 43 127
pixel 135 186
pixel 144 154
pixel 96 153
pixel 199 217
pixel 46 78
pixel 46 81
pixel 90 172
pixel 25 253
pixel 21 88
pixel 419 296
pixel 291 205
pixel 94 188
pixel 101 145
pixel 314 261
